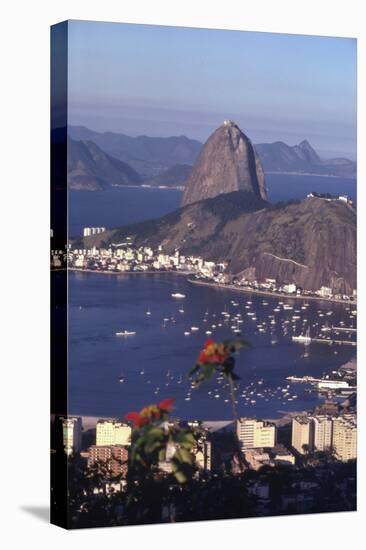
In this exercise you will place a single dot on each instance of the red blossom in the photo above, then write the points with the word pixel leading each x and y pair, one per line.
pixel 202 358
pixel 209 342
pixel 136 419
pixel 150 413
pixel 166 405
pixel 212 353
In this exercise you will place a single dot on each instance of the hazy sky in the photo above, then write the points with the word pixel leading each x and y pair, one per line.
pixel 163 81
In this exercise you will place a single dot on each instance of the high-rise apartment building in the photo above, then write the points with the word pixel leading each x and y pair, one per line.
pixel 111 432
pixel 345 437
pixel 302 434
pixel 253 433
pixel 113 457
pixel 71 434
pixel 322 433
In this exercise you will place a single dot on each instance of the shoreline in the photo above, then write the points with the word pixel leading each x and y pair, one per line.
pixel 216 285
pixel 181 187
pixel 81 270
pixel 269 293
pixel 310 174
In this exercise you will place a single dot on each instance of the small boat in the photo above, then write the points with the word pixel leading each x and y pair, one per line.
pixel 194 328
pixel 125 333
pixel 178 295
pixel 187 333
pixel 208 332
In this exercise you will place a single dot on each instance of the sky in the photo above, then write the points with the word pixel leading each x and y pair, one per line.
pixel 164 81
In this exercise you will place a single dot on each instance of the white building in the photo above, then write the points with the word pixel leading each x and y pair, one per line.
pixel 345 437
pixel 111 432
pixel 71 434
pixel 290 288
pixel 345 198
pixel 283 456
pixel 302 434
pixel 322 433
pixel 87 231
pixel 325 292
pixel 253 433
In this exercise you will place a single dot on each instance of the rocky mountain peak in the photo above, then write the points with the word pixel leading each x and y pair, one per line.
pixel 227 162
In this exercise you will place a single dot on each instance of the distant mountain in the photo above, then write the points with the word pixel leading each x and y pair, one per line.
pixel 311 243
pixel 152 156
pixel 280 157
pixel 149 156
pixel 91 169
pixel 175 176
pixel 227 162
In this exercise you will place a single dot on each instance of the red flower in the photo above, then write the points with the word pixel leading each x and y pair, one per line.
pixel 166 405
pixel 212 353
pixel 137 419
pixel 150 413
pixel 202 358
pixel 209 342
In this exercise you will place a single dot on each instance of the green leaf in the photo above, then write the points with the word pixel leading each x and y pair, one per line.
pixel 180 476
pixel 182 455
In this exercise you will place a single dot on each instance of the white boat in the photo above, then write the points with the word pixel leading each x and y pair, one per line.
pixel 208 332
pixel 303 338
pixel 178 295
pixel 125 333
pixel 187 333
pixel 194 328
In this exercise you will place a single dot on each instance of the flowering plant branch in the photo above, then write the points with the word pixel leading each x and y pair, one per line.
pixel 218 358
pixel 156 440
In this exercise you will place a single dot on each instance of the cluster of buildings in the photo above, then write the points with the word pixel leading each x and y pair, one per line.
pixel 309 433
pixel 112 444
pixel 328 197
pixel 126 257
pixel 330 486
pixel 258 444
pixel 290 289
pixel 335 434
pixel 257 439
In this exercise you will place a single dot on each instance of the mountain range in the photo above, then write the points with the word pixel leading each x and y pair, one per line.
pixel 167 161
pixel 149 156
pixel 302 158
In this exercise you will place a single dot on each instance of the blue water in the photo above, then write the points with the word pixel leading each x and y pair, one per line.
pixel 154 363
pixel 119 206
pixel 286 187
pixel 159 354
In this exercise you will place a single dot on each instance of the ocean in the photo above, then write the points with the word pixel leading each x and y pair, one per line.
pixel 119 206
pixel 153 364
